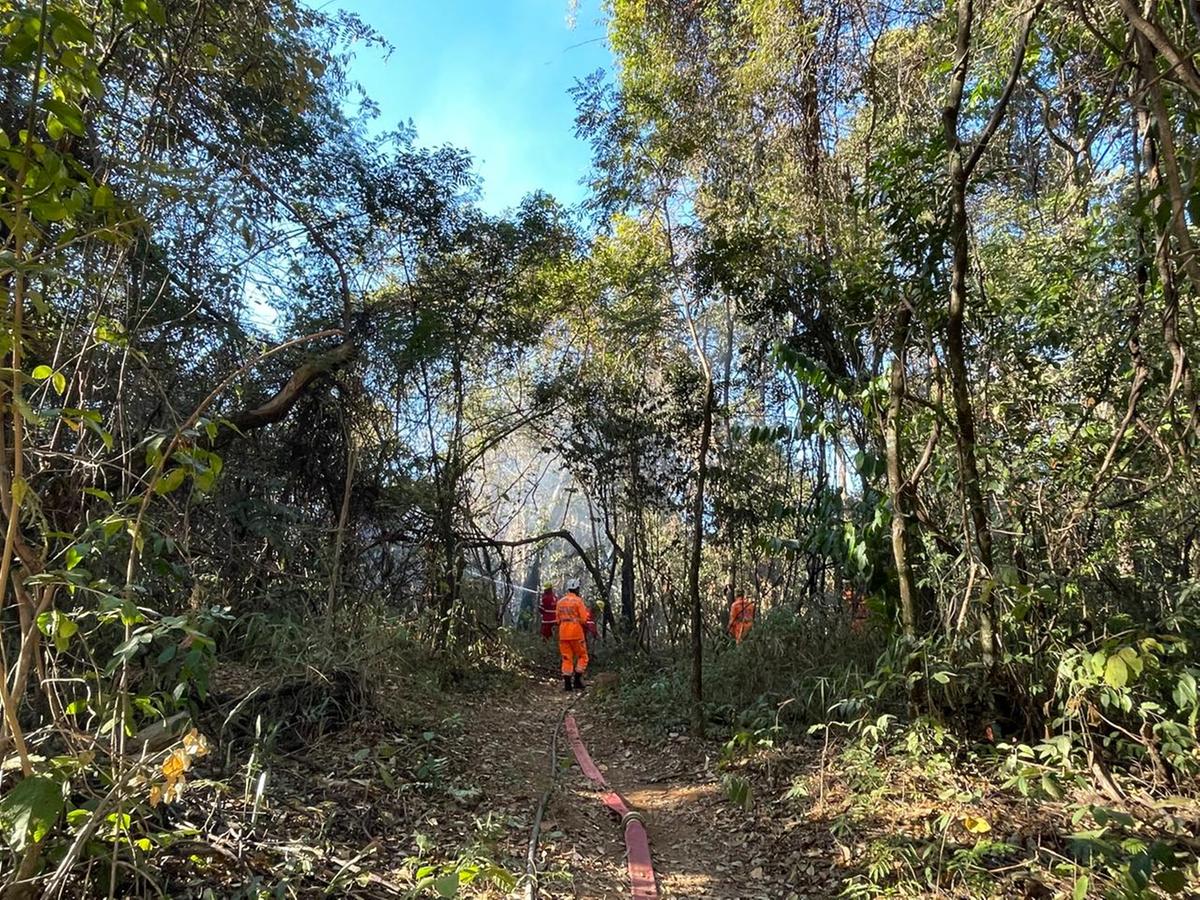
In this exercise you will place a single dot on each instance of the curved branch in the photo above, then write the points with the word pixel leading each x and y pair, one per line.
pixel 998 111
pixel 279 405
pixel 1180 63
pixel 931 444
pixel 563 534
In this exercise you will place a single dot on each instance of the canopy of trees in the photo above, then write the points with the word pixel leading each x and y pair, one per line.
pixel 893 298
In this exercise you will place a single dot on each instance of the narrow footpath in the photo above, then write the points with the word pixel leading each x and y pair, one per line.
pixel 702 846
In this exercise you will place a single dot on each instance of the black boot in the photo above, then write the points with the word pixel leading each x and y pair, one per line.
pixel 567 686
pixel 578 681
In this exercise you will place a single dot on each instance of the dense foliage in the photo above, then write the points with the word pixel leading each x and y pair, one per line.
pixel 894 300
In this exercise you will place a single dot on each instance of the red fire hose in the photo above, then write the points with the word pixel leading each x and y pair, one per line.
pixel 637 845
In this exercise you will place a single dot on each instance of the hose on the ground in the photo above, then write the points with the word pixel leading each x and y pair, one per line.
pixel 637 845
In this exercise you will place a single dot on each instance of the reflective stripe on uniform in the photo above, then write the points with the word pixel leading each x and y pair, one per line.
pixel 571 609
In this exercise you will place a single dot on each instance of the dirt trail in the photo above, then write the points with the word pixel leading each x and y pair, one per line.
pixel 702 846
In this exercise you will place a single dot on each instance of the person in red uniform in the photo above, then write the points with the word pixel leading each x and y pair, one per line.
pixel 573 619
pixel 547 606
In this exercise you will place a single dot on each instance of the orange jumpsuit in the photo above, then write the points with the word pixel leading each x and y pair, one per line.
pixel 741 618
pixel 573 616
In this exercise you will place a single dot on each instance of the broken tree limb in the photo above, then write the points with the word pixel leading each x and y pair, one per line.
pixel 281 403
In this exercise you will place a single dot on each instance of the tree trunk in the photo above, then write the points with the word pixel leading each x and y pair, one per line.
pixel 816 558
pixel 964 414
pixel 694 565
pixel 901 517
pixel 448 600
pixel 627 584
pixel 281 402
pixel 955 343
pixel 960 175
pixel 1162 167
pixel 449 484
pixel 339 535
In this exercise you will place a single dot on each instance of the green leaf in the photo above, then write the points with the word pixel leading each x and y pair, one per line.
pixel 1081 888
pixel 1116 674
pixel 29 809
pixel 1185 691
pixel 1173 881
pixel 68 114
pixel 110 333
pixel 41 373
pixel 113 524
pixel 69 27
pixel 170 481
pixel 1162 854
pixel 103 198
pixel 447 885
pixel 1132 660
pixel 78 816
pixel 61 627
pixel 155 11
pixel 59 380
pixel 126 650
pixel 105 436
pixel 20 488
pixel 58 626
pixel 75 555
pixel 204 480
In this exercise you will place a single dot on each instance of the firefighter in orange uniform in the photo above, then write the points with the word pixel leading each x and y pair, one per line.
pixel 741 618
pixel 573 617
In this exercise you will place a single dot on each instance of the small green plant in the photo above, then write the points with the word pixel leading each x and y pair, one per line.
pixel 476 863
pixel 738 790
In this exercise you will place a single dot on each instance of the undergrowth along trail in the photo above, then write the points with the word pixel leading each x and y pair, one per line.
pixel 702 845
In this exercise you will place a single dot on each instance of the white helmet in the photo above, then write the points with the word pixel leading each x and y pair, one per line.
pixel 573 584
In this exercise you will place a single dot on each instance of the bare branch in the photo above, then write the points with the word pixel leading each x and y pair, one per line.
pixel 1001 107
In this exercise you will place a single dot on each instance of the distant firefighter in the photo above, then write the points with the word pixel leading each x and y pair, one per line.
pixel 741 618
pixel 856 606
pixel 547 606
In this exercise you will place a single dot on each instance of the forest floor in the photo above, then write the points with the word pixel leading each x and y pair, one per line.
pixel 702 846
pixel 426 790
pixel 437 797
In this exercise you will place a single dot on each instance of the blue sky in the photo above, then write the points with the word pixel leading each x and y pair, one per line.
pixel 490 76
